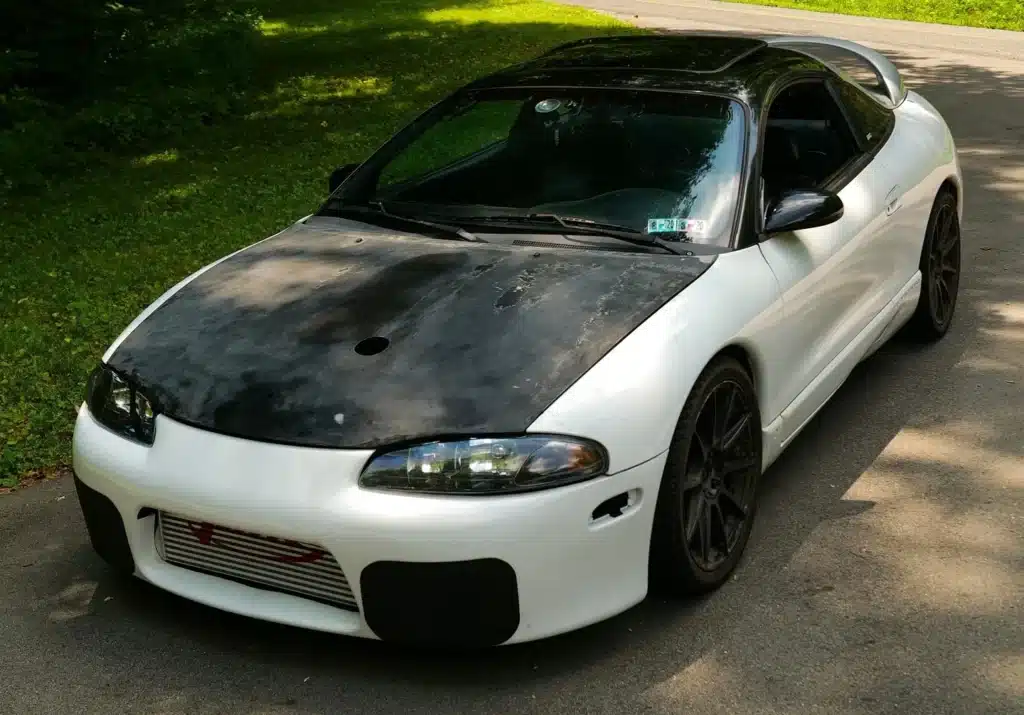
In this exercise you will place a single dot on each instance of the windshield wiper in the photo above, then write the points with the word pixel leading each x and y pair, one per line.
pixel 377 207
pixel 586 226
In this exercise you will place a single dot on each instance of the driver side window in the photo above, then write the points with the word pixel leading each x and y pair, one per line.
pixel 807 140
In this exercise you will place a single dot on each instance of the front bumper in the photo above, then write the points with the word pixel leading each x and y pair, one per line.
pixel 434 569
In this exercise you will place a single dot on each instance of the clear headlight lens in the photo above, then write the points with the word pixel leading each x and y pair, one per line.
pixel 487 465
pixel 120 406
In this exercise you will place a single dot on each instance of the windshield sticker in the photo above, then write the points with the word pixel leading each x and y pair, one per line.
pixel 694 228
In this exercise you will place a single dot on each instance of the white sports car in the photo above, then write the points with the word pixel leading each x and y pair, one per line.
pixel 531 357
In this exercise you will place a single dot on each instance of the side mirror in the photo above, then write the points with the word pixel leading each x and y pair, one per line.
pixel 339 175
pixel 800 209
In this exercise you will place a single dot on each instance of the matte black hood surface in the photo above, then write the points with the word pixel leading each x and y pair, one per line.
pixel 482 337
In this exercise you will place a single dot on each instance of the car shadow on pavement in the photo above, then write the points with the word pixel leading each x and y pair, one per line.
pixel 821 610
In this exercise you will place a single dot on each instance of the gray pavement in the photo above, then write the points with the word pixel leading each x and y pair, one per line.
pixel 884 575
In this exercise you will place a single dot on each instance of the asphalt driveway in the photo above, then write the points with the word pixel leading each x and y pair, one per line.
pixel 885 574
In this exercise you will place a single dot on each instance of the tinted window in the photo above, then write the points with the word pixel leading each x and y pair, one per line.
pixel 807 139
pixel 870 120
pixel 649 161
pixel 451 140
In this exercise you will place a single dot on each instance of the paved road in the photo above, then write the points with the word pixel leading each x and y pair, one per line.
pixel 885 574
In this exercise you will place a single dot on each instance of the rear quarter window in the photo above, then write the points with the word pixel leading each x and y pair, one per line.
pixel 871 121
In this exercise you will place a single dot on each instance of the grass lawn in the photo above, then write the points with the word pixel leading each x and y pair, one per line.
pixel 999 14
pixel 336 78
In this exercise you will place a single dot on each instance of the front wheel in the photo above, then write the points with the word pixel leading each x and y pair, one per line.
pixel 708 496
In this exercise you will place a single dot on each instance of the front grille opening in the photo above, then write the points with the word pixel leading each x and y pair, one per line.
pixel 295 568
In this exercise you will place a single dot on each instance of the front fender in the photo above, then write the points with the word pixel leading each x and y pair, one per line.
pixel 630 401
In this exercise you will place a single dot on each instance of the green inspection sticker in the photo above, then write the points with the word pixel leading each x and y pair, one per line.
pixel 689 226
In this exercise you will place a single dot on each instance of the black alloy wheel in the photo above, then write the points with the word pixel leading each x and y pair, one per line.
pixel 940 272
pixel 707 501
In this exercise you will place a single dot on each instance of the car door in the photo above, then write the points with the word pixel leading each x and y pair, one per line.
pixel 832 278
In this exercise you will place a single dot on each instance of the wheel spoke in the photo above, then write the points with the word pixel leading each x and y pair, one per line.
pixel 723 399
pixel 734 432
pixel 705 533
pixel 730 409
pixel 949 244
pixel 936 301
pixel 692 479
pixel 944 293
pixel 720 518
pixel 946 250
pixel 946 228
pixel 692 524
pixel 950 239
pixel 705 448
pixel 727 496
pixel 738 464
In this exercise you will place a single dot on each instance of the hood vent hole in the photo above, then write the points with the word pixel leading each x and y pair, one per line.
pixel 372 346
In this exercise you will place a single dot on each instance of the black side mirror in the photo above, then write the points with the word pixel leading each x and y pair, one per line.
pixel 800 209
pixel 339 175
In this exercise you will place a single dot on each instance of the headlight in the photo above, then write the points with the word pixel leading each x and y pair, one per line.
pixel 487 465
pixel 120 406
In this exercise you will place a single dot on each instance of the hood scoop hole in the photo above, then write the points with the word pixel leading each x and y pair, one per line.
pixel 372 346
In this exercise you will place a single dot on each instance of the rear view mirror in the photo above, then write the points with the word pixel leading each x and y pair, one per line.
pixel 339 175
pixel 800 209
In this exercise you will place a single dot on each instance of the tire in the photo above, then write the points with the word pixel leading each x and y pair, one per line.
pixel 721 482
pixel 940 266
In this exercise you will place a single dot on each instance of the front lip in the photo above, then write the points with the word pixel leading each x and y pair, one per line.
pixel 261 345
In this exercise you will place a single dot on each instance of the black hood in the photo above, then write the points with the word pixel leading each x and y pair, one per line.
pixel 480 338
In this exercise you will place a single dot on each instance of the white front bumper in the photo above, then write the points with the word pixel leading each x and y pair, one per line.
pixel 571 570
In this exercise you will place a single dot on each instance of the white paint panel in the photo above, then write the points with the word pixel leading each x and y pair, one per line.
pixel 631 400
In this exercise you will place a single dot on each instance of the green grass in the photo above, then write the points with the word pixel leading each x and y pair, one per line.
pixel 335 79
pixel 999 14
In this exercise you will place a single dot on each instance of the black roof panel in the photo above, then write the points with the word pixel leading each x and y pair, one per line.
pixel 732 65
pixel 687 53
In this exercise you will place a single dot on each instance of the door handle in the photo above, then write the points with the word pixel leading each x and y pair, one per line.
pixel 892 201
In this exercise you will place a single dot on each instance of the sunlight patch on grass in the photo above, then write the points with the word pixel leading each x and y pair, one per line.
pixel 292 98
pixel 285 30
pixel 512 12
pixel 160 157
pixel 183 191
pixel 408 34
pixel 996 14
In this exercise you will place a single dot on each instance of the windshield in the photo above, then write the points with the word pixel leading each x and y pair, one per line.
pixel 659 163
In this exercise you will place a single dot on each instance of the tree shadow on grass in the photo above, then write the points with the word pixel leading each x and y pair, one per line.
pixel 334 80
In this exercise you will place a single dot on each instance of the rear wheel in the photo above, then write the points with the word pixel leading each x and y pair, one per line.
pixel 940 272
pixel 707 500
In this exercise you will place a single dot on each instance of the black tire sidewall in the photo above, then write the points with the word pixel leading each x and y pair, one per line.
pixel 926 326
